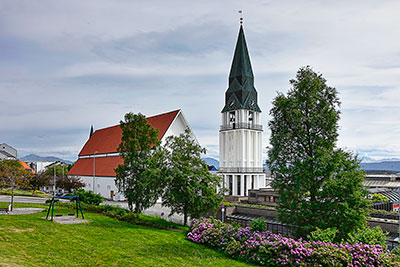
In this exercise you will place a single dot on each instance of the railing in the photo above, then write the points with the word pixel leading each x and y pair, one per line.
pixel 243 125
pixel 241 169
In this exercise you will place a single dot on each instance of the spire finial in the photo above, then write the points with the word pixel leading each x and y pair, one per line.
pixel 241 16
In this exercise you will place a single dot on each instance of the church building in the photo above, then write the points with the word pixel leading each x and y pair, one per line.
pixel 240 135
pixel 99 157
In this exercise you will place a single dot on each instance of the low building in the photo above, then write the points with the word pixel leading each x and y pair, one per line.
pixel 263 196
pixel 39 166
pixel 99 157
pixel 7 152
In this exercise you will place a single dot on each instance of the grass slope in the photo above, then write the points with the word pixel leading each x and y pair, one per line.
pixel 29 240
pixel 24 193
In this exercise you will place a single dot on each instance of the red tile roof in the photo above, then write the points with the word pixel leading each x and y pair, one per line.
pixel 26 167
pixel 104 166
pixel 107 140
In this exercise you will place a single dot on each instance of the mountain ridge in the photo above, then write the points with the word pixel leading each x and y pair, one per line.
pixel 34 157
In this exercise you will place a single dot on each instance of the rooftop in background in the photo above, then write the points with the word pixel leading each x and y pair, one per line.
pixel 7 152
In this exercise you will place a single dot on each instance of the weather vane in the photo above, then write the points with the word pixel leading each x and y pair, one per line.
pixel 241 16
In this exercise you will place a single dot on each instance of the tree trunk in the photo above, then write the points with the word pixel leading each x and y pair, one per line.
pixel 184 218
pixel 12 199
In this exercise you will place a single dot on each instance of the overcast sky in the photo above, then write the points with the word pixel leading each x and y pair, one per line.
pixel 65 65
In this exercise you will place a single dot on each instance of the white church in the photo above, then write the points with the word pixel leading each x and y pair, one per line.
pixel 240 138
pixel 99 157
pixel 240 135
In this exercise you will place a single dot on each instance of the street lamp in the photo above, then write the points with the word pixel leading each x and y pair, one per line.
pixel 54 178
pixel 94 170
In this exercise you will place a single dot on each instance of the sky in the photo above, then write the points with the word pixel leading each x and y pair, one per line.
pixel 67 65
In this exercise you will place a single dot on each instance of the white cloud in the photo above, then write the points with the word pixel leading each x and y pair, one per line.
pixel 69 64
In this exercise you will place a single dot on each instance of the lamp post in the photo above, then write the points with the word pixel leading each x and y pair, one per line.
pixel 54 179
pixel 94 171
pixel 223 213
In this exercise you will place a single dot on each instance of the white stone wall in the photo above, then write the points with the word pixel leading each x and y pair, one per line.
pixel 103 186
pixel 240 149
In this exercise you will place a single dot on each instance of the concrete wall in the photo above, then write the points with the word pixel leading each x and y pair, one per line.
pixel 387 226
pixel 256 211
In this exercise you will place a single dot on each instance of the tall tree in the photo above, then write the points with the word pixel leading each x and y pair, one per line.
pixel 190 189
pixel 13 174
pixel 138 177
pixel 319 185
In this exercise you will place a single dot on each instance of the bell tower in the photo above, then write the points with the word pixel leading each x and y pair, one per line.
pixel 240 135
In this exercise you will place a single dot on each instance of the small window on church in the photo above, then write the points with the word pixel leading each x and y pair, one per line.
pixel 251 117
pixel 232 117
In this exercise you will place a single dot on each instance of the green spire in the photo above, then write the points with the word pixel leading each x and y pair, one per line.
pixel 241 93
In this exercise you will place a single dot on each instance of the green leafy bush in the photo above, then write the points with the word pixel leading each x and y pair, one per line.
pixel 379 198
pixel 89 197
pixel 258 224
pixel 131 217
pixel 330 256
pixel 326 235
pixel 371 236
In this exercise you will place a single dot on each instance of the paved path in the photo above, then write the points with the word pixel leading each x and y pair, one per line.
pixel 18 211
pixel 19 199
pixel 156 210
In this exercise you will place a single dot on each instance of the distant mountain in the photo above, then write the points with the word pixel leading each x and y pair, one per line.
pixel 33 157
pixel 211 161
pixel 393 166
pixel 366 159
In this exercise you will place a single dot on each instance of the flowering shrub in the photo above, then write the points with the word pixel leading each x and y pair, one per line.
pixel 268 249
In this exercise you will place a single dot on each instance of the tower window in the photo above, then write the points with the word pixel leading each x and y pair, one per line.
pixel 251 116
pixel 232 117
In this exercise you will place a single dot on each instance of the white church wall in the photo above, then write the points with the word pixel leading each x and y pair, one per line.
pixel 105 186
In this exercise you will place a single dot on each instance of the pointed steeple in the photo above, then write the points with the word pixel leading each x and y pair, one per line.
pixel 241 65
pixel 91 131
pixel 241 93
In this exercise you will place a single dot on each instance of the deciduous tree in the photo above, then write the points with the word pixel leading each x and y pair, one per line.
pixel 38 180
pixel 319 184
pixel 13 174
pixel 139 177
pixel 69 183
pixel 190 189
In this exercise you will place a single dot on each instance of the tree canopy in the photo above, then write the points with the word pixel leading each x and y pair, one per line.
pixel 319 184
pixel 190 189
pixel 138 178
pixel 13 174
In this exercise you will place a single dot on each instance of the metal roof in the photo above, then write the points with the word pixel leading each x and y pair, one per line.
pixel 375 183
pixel 241 93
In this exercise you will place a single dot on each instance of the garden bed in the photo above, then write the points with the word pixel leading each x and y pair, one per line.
pixel 268 249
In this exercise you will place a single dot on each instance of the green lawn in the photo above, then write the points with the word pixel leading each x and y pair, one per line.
pixel 29 240
pixel 19 192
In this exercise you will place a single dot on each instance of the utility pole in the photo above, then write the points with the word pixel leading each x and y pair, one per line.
pixel 94 171
pixel 54 179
